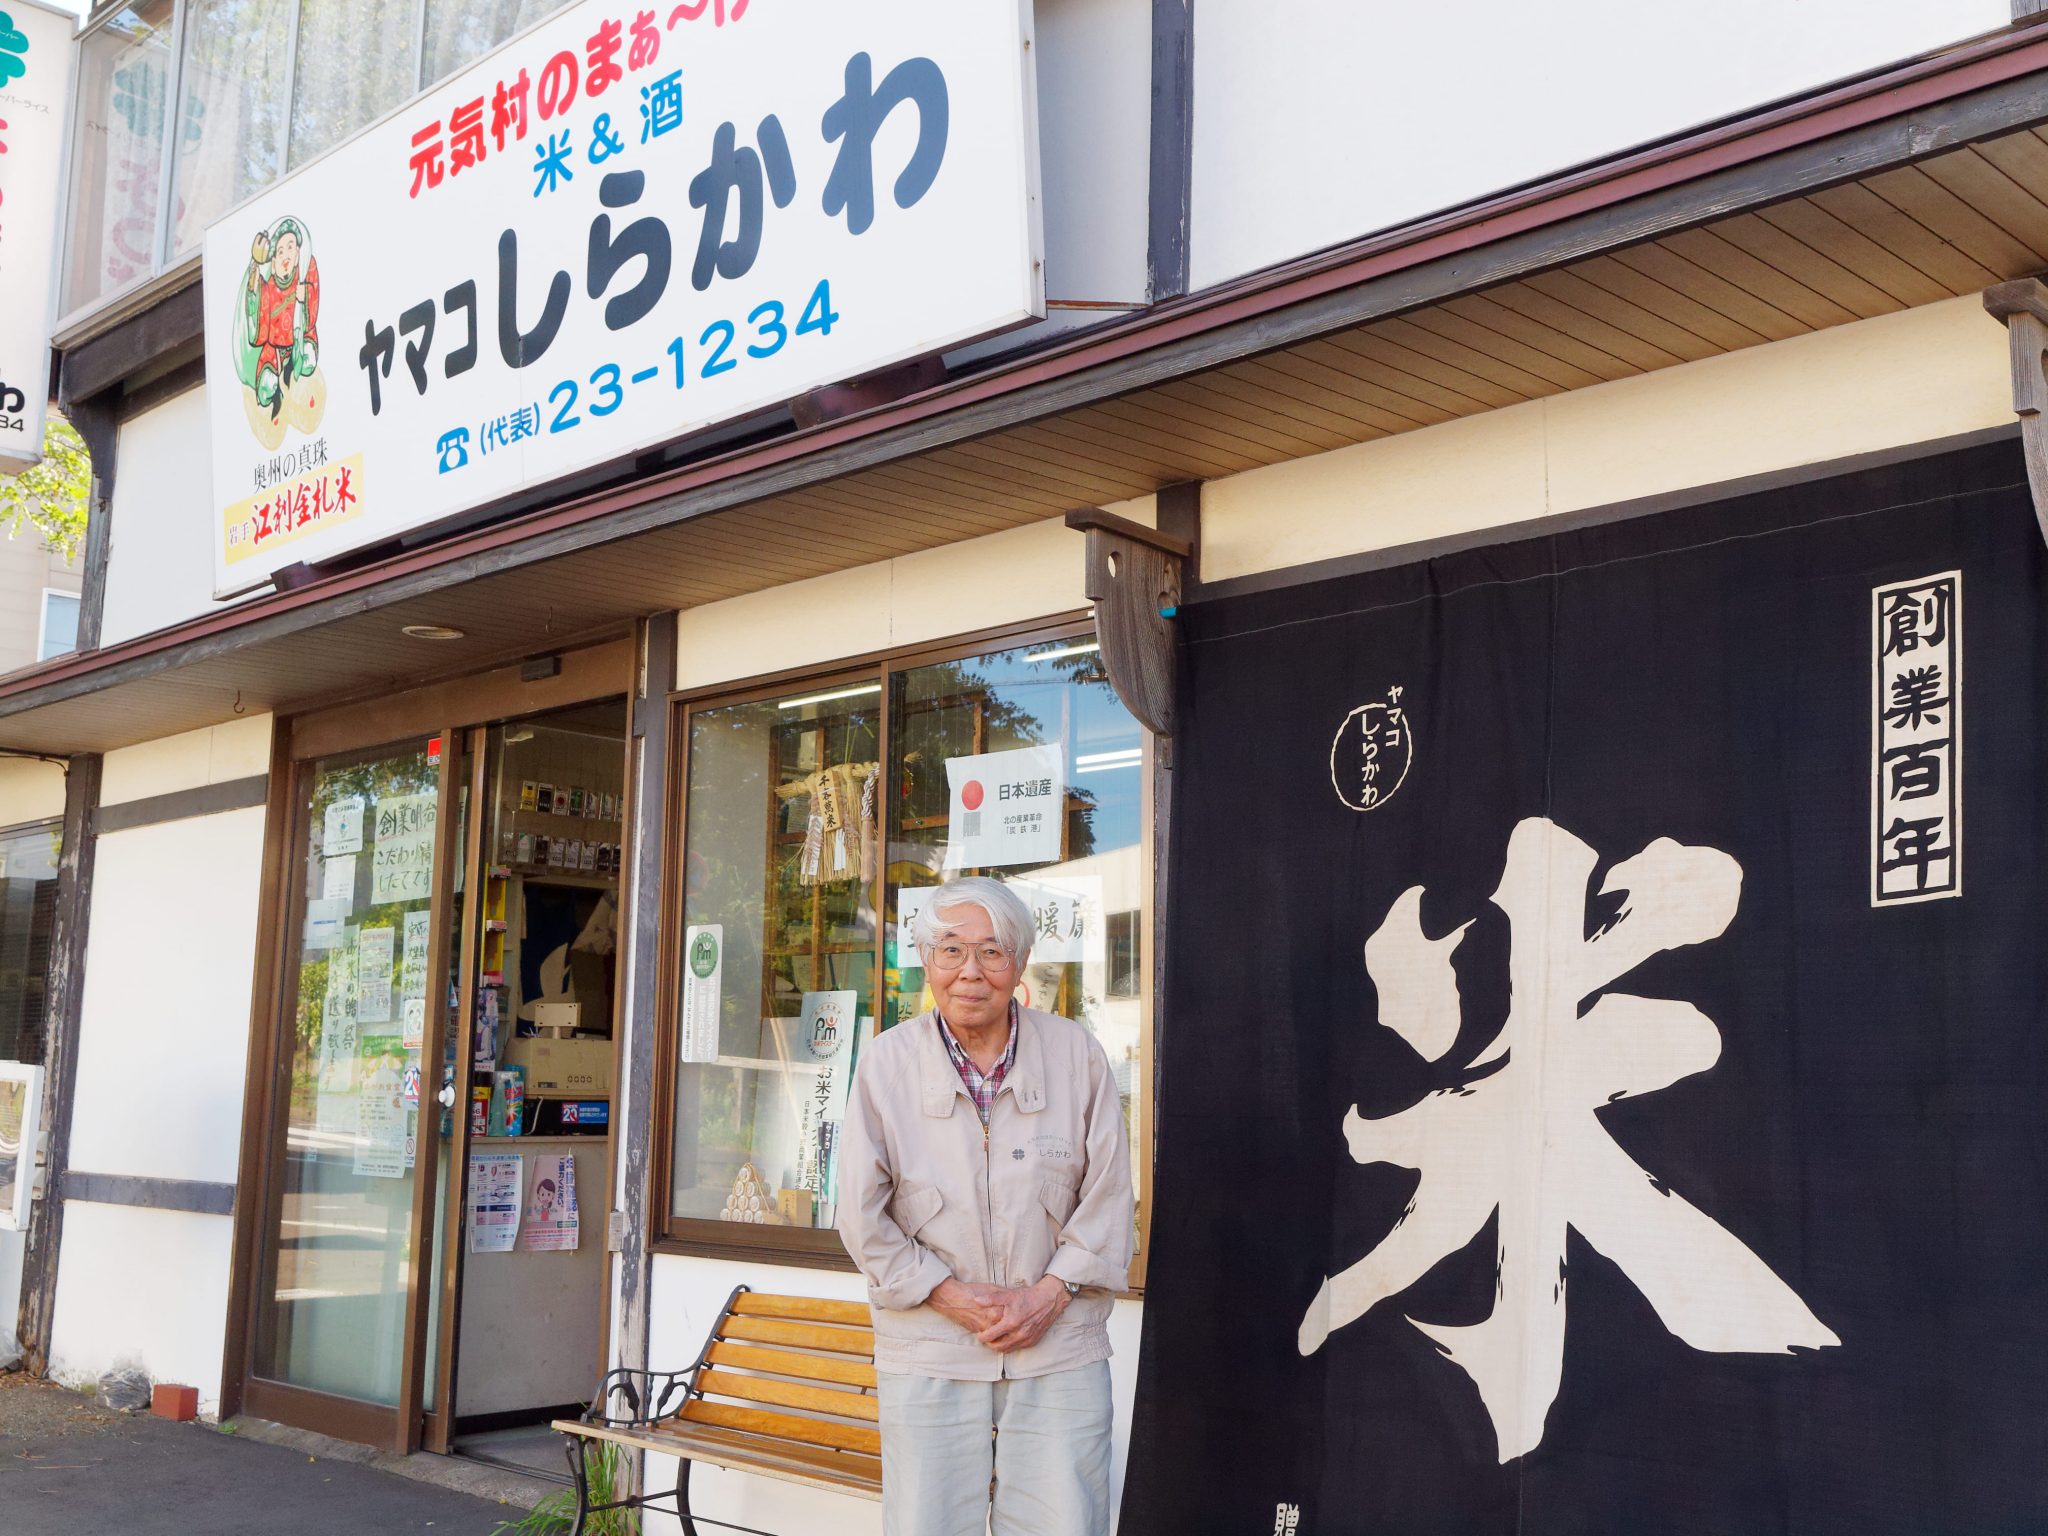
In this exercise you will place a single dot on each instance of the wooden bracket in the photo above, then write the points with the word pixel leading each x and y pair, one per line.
pixel 1133 578
pixel 2023 306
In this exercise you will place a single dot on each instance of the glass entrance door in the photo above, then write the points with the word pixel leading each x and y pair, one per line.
pixel 339 1313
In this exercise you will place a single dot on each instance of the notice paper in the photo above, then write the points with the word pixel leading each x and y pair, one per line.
pixel 341 828
pixel 412 974
pixel 381 1124
pixel 402 862
pixel 338 879
pixel 551 1224
pixel 1006 808
pixel 703 969
pixel 494 1191
pixel 373 975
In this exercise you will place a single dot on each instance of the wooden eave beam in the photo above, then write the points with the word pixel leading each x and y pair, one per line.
pixel 2023 306
pixel 1133 577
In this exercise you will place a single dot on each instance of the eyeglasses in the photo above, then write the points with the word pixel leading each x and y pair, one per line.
pixel 993 958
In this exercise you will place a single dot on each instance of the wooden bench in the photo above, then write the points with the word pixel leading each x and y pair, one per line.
pixel 784 1386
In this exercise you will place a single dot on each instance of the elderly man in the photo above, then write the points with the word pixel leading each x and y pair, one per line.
pixel 985 1193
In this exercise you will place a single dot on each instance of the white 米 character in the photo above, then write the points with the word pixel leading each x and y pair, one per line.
pixel 1526 1139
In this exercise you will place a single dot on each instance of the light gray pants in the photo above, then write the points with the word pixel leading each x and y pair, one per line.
pixel 1049 1455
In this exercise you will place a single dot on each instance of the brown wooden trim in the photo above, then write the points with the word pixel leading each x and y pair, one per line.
pixel 200 1197
pixel 260 1077
pixel 1082 519
pixel 181 804
pixel 43 1241
pixel 422 1280
pixel 596 672
pixel 766 1245
pixel 637 1156
pixel 623 1040
pixel 822 675
pixel 440 1419
pixel 345 1418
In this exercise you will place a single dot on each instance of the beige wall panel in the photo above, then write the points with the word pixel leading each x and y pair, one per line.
pixel 213 754
pixel 1455 478
pixel 30 791
pixel 1916 376
pixel 1911 377
pixel 1012 577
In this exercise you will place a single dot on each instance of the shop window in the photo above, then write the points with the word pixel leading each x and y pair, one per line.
pixel 231 110
pixel 28 909
pixel 460 32
pixel 355 63
pixel 124 75
pixel 779 885
pixel 815 819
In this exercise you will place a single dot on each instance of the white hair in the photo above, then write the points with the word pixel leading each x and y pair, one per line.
pixel 1007 914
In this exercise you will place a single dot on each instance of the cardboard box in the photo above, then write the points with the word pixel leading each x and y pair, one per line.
pixel 565 1069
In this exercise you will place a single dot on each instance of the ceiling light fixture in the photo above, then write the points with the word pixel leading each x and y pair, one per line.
pixel 432 632
pixel 826 698
pixel 1064 650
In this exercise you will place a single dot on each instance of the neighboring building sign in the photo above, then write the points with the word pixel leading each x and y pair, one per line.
pixel 625 226
pixel 35 95
pixel 1569 1145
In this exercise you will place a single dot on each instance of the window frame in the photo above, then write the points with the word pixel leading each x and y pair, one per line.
pixel 169 268
pixel 813 1247
pixel 43 652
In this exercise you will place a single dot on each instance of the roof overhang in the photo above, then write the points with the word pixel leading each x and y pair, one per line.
pixel 1901 188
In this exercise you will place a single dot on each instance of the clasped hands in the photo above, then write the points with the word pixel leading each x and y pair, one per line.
pixel 1004 1317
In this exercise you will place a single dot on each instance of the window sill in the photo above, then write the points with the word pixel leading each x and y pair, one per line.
pixel 105 314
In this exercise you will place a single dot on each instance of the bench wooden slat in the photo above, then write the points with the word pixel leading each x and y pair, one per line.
pixel 763 1330
pixel 788 1394
pixel 785 1426
pixel 785 1362
pixel 841 1471
pixel 802 1309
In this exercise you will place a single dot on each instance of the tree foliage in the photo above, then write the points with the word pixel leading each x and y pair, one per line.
pixel 51 497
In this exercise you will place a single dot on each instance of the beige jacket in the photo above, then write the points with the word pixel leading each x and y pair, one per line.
pixel 924 1195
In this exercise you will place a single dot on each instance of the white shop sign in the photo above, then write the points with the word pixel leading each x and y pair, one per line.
pixel 621 228
pixel 35 95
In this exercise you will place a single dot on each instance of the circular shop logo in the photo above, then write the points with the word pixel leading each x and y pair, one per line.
pixel 971 794
pixel 825 1035
pixel 1370 757
pixel 703 955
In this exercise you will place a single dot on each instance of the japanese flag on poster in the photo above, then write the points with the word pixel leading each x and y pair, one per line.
pixel 551 1224
pixel 1007 808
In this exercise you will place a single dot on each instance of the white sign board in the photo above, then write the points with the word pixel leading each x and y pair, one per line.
pixel 1067 919
pixel 1006 808
pixel 623 227
pixel 35 93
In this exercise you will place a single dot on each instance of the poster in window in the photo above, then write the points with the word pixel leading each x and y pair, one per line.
pixel 402 861
pixel 551 1224
pixel 341 827
pixel 703 969
pixel 495 1189
pixel 1006 808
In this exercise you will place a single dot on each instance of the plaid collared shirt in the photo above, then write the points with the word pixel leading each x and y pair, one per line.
pixel 982 1090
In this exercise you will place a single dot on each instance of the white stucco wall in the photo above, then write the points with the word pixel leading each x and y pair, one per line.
pixel 161 524
pixel 1320 121
pixel 1916 376
pixel 162 1060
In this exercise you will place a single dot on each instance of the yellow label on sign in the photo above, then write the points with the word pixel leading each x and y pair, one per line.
pixel 306 504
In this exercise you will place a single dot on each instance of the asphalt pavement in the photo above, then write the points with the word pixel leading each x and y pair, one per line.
pixel 69 1467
